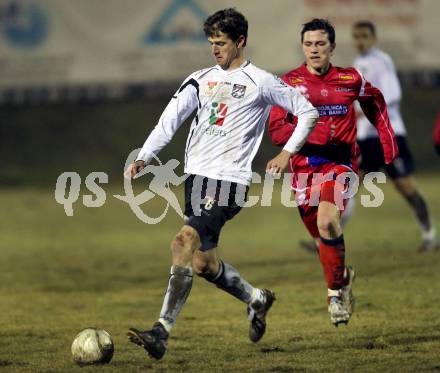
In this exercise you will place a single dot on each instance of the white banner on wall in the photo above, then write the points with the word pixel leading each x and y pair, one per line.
pixel 48 43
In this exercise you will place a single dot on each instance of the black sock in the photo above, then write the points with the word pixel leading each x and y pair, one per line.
pixel 229 280
pixel 420 208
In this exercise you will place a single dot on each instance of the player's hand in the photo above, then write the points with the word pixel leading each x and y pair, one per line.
pixel 133 169
pixel 277 165
pixel 359 114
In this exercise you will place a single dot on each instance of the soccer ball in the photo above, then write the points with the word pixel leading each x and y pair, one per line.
pixel 92 346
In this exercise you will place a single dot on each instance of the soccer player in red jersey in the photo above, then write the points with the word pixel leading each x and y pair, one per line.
pixel 330 149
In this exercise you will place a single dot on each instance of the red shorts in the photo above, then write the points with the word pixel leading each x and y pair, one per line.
pixel 320 184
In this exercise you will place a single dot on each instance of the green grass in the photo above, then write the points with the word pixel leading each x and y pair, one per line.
pixel 104 268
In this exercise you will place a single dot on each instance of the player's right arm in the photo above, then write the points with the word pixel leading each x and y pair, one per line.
pixel 183 103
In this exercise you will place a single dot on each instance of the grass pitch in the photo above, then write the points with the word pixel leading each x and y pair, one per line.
pixel 104 268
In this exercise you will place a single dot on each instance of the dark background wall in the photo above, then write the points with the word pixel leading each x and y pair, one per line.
pixel 37 143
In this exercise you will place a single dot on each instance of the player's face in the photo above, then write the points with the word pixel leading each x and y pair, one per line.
pixel 317 49
pixel 224 50
pixel 363 39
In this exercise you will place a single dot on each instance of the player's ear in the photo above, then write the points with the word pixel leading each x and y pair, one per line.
pixel 241 41
pixel 332 48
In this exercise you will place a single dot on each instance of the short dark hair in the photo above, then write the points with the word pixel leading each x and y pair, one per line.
pixel 367 24
pixel 319 24
pixel 228 21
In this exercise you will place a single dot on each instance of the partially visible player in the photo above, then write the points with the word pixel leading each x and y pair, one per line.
pixel 378 68
pixel 232 101
pixel 330 149
pixel 436 134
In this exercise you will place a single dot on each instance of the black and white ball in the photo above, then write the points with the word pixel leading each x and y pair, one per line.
pixel 92 346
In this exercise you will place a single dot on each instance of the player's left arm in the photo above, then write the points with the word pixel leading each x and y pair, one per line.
pixel 374 107
pixel 436 134
pixel 277 93
pixel 390 85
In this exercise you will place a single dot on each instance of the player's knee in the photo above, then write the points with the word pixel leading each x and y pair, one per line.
pixel 208 269
pixel 328 225
pixel 406 189
pixel 201 267
pixel 177 245
pixel 190 237
pixel 186 240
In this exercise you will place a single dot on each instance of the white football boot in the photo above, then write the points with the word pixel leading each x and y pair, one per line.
pixel 341 302
pixel 429 241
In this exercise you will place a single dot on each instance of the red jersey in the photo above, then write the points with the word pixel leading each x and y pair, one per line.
pixel 436 132
pixel 333 140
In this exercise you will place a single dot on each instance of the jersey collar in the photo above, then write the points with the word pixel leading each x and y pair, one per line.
pixel 371 51
pixel 241 67
pixel 306 72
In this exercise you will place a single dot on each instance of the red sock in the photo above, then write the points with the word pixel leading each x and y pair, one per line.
pixel 332 256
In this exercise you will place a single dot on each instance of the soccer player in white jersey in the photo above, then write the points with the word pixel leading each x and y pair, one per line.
pixel 232 101
pixel 378 68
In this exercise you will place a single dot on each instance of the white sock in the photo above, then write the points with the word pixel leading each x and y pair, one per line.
pixel 179 287
pixel 429 235
pixel 257 295
pixel 165 324
pixel 348 211
pixel 333 293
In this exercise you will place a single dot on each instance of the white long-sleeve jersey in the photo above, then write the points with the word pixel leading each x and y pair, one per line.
pixel 378 68
pixel 232 108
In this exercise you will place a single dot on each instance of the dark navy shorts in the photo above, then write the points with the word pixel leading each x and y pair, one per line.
pixel 372 159
pixel 209 204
